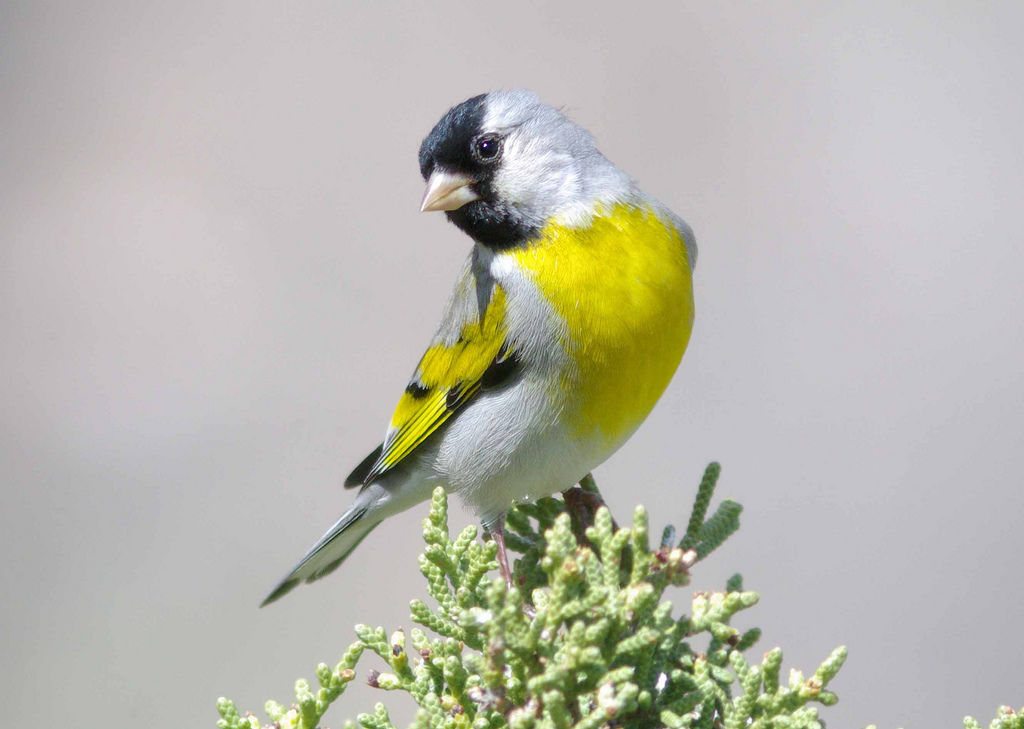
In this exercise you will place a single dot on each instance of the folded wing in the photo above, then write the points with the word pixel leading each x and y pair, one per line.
pixel 472 352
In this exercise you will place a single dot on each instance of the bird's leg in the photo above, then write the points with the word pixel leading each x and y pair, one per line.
pixel 496 530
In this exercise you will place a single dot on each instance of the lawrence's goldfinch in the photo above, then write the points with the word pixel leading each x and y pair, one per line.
pixel 567 322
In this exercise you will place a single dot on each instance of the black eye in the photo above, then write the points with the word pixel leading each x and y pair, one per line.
pixel 487 147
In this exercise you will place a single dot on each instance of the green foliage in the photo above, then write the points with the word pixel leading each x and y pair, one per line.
pixel 582 640
pixel 1006 718
pixel 308 707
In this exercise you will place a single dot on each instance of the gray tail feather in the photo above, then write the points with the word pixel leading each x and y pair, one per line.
pixel 332 549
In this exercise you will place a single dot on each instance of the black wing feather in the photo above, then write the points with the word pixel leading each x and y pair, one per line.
pixel 359 473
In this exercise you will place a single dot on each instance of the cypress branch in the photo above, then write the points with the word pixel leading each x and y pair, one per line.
pixel 583 639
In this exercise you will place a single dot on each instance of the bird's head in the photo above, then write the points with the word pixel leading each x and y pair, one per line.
pixel 503 164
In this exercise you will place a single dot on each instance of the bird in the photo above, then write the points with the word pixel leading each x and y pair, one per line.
pixel 567 321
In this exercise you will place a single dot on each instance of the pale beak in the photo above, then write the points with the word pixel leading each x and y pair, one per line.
pixel 447 191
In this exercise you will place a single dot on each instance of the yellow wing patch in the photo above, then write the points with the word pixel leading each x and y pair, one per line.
pixel 447 377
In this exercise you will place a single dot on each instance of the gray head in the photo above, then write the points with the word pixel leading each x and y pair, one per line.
pixel 503 164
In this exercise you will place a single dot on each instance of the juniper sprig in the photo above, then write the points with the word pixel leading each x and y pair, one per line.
pixel 583 639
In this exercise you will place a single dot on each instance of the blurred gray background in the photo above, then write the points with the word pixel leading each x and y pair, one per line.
pixel 215 283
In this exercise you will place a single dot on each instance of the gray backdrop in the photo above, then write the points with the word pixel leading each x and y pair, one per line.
pixel 215 283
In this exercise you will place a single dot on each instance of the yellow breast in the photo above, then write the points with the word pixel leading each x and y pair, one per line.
pixel 623 287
